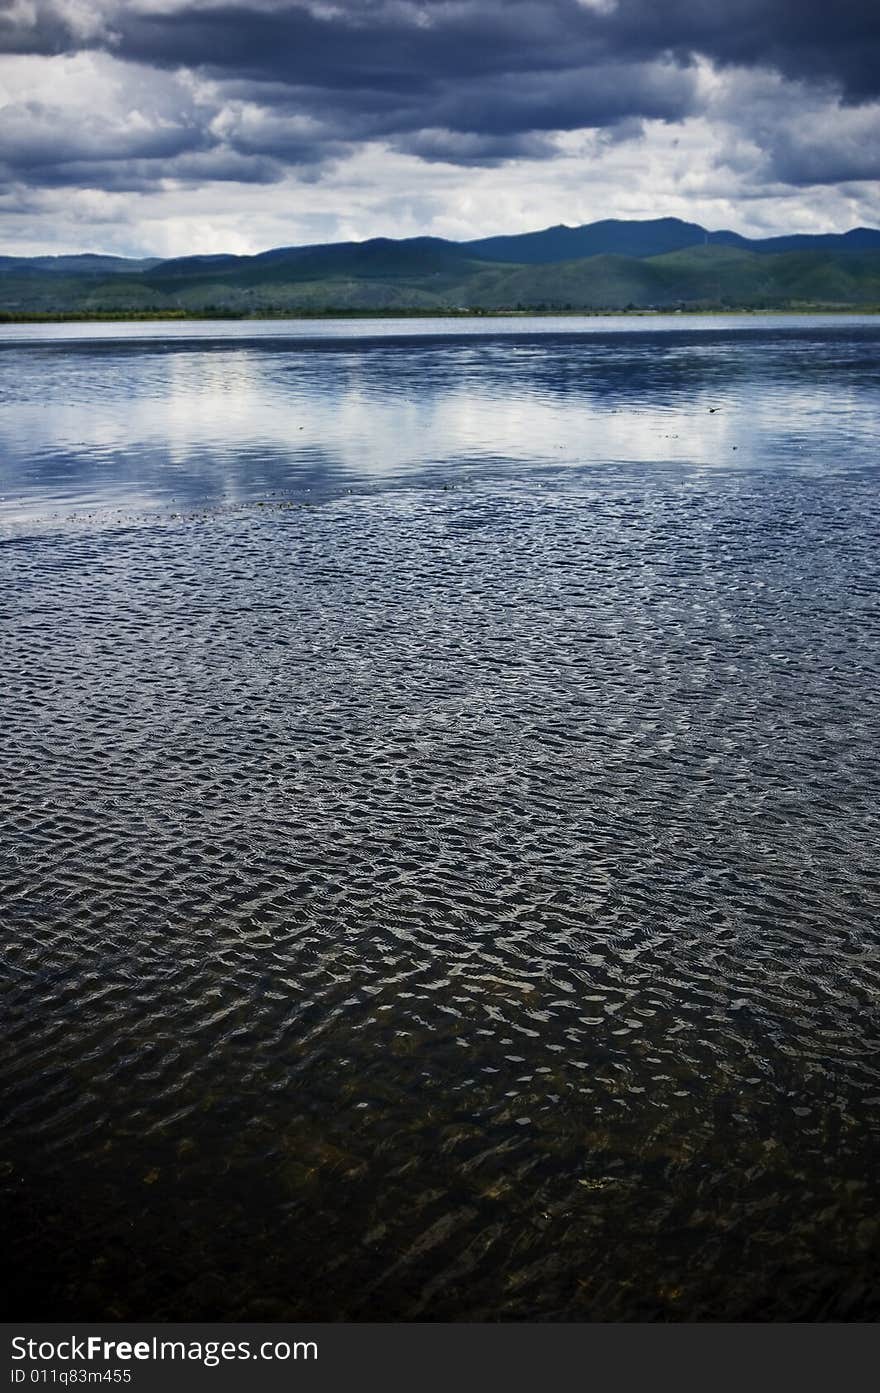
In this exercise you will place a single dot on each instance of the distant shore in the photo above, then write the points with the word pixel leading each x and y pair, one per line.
pixel 176 316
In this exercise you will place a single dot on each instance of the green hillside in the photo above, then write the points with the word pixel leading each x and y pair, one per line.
pixel 426 274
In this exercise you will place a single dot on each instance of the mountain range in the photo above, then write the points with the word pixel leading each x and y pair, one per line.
pixel 661 263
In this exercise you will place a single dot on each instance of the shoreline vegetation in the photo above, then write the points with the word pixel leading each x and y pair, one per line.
pixel 397 312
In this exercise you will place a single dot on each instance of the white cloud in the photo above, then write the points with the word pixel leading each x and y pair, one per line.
pixel 672 171
pixel 102 154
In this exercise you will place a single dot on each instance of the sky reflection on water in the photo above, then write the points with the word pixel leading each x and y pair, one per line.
pixel 92 426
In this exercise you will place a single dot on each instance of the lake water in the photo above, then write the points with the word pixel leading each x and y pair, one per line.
pixel 441 808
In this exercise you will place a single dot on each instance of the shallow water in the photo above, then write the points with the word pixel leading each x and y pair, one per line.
pixel 458 899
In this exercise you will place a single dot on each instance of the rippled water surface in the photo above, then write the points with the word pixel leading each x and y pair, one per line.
pixel 440 803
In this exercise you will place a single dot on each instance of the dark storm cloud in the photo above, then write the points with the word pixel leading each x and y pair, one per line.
pixel 410 46
pixel 840 146
pixel 30 136
pixel 836 41
pixel 469 148
pixel 142 175
pixel 464 81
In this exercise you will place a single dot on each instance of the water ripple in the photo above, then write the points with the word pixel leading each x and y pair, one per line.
pixel 448 904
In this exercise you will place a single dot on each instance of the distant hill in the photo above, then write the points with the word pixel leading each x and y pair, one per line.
pixel 660 264
pixel 86 264
pixel 610 237
pixel 651 238
pixel 380 257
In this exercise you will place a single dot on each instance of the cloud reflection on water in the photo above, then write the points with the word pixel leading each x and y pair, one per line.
pixel 148 425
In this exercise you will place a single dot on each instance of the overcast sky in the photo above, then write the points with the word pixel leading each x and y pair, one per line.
pixel 169 126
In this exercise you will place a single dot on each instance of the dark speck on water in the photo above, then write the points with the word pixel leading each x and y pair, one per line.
pixel 447 890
